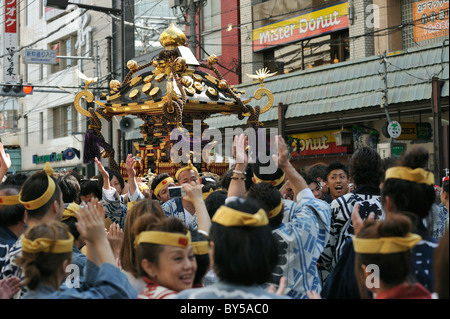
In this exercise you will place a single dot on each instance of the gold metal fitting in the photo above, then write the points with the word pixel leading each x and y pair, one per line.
pixel 211 92
pixel 197 77
pixel 160 77
pixel 132 65
pixel 146 88
pixel 114 84
pixel 223 84
pixel 149 78
pixel 155 92
pixel 198 87
pixel 134 94
pixel 190 91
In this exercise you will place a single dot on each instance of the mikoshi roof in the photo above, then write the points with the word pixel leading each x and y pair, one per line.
pixel 172 85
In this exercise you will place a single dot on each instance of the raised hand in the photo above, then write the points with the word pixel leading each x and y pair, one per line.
pixel 282 159
pixel 104 173
pixel 91 221
pixel 281 287
pixel 91 225
pixel 5 161
pixel 313 295
pixel 240 144
pixel 115 238
pixel 9 287
pixel 358 222
pixel 129 165
pixel 193 191
pixel 195 196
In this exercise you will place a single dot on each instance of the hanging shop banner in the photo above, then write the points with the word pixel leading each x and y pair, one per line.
pixel 415 131
pixel 312 24
pixel 10 42
pixel 315 143
pixel 430 19
pixel 67 154
pixel 408 131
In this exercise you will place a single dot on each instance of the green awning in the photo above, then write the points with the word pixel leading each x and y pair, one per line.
pixel 350 85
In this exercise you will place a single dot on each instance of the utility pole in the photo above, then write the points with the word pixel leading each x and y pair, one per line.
pixel 191 7
pixel 436 87
pixel 385 104
pixel 188 8
pixel 109 70
pixel 281 119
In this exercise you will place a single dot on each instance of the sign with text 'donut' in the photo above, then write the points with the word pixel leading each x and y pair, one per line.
pixel 304 26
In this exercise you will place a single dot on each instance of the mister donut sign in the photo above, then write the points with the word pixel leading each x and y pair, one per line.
pixel 312 24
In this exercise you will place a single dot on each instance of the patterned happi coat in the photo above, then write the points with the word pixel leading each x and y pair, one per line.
pixel 301 239
pixel 341 223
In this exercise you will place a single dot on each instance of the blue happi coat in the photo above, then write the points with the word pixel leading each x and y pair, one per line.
pixel 301 238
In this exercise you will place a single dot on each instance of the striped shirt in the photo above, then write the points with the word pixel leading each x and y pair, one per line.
pixel 341 223
pixel 174 208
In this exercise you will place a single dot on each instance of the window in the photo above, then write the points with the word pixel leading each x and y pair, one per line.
pixel 25 120
pixel 26 12
pixel 74 127
pixel 64 47
pixel 60 121
pixel 41 9
pixel 211 21
pixel 41 128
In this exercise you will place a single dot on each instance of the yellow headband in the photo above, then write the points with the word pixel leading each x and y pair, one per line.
pixel 275 182
pixel 161 185
pixel 385 245
pixel 274 212
pixel 229 217
pixel 70 210
pixel 186 168
pixel 200 247
pixel 143 187
pixel 41 201
pixel 417 175
pixel 163 238
pixel 130 204
pixel 206 194
pixel 9 200
pixel 47 245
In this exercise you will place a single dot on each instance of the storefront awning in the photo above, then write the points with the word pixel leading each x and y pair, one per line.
pixel 351 85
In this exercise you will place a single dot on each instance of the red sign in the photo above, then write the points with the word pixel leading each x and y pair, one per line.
pixel 10 16
pixel 311 24
pixel 315 143
pixel 10 42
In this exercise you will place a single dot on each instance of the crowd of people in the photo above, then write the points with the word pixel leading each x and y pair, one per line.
pixel 371 228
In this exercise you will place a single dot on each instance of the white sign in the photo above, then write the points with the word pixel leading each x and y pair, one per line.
pixel 84 36
pixel 394 129
pixel 32 56
pixel 10 42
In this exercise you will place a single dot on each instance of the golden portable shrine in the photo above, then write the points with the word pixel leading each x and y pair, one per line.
pixel 171 94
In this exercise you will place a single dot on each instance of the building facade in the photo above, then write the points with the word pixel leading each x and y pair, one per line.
pixel 47 126
pixel 352 66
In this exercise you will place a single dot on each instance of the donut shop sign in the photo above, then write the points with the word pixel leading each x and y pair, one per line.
pixel 311 24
